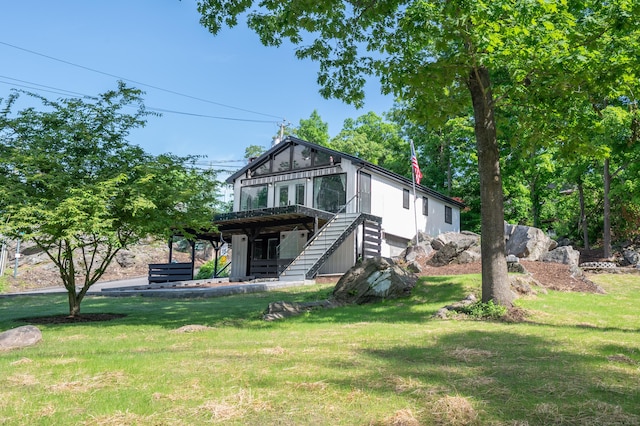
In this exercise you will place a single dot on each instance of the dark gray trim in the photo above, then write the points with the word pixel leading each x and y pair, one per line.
pixel 289 140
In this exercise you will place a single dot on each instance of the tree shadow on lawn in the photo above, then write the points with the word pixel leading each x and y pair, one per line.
pixel 508 377
pixel 241 310
pixel 173 312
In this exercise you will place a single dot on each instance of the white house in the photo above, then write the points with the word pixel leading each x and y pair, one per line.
pixel 301 209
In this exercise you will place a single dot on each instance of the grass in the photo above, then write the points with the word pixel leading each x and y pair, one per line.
pixel 576 361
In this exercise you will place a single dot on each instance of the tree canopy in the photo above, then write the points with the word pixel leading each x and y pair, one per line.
pixel 436 56
pixel 72 184
pixel 313 129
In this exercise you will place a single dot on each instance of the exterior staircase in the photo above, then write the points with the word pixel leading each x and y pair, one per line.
pixel 327 240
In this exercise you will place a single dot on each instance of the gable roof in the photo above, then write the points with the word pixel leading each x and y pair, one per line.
pixel 291 140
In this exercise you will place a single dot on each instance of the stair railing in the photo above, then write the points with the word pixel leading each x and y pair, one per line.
pixel 340 220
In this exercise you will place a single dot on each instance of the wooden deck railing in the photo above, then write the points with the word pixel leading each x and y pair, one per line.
pixel 169 272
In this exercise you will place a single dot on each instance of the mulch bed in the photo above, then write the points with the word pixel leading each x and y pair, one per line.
pixel 553 276
pixel 66 319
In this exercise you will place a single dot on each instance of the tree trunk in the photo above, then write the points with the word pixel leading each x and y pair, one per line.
pixel 583 216
pixel 495 280
pixel 449 176
pixel 535 203
pixel 607 211
pixel 74 304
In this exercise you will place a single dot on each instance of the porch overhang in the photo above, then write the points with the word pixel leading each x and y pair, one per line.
pixel 270 220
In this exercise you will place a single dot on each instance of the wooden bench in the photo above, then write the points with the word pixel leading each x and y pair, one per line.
pixel 169 272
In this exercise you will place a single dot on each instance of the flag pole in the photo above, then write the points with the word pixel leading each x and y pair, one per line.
pixel 415 197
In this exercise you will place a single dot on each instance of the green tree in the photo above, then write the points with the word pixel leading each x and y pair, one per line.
pixel 73 185
pixel 617 132
pixel 253 151
pixel 448 160
pixel 313 129
pixel 430 54
pixel 376 140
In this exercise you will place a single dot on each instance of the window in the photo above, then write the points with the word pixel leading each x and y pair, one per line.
pixel 300 194
pixel 264 248
pixel 301 157
pixel 364 192
pixel 329 192
pixel 295 157
pixel 325 159
pixel 448 214
pixel 425 206
pixel 282 161
pixel 405 198
pixel 253 197
pixel 262 169
pixel 284 196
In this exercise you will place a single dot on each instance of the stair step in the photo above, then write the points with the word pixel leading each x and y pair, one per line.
pixel 320 245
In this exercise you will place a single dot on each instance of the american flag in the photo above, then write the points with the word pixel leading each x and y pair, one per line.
pixel 417 174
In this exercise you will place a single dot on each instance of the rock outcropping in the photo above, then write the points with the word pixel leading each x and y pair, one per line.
pixel 527 242
pixel 374 280
pixel 370 281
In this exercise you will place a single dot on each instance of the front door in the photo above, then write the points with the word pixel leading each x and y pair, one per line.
pixel 290 192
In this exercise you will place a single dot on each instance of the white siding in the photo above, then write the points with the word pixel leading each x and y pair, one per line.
pixel 434 224
pixel 342 259
pixel 398 223
pixel 387 202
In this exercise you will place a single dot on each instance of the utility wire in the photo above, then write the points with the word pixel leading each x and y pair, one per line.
pixel 207 116
pixel 61 92
pixel 65 92
pixel 42 85
pixel 137 82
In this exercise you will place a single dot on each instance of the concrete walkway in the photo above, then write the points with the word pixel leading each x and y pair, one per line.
pixel 141 287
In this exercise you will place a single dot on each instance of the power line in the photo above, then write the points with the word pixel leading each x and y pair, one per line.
pixel 138 82
pixel 61 92
pixel 193 114
pixel 65 92
pixel 56 90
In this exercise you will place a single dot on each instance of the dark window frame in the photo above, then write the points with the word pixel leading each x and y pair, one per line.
pixel 406 196
pixel 248 201
pixel 425 206
pixel 336 205
pixel 268 166
pixel 448 215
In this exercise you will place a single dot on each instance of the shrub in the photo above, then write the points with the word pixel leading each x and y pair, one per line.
pixel 481 310
pixel 207 269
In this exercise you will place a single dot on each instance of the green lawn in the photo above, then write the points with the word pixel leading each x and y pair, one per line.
pixel 575 362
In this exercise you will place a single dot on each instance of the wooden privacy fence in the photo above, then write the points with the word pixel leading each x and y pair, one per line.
pixel 169 272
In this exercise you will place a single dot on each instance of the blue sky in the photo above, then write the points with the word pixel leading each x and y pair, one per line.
pixel 161 43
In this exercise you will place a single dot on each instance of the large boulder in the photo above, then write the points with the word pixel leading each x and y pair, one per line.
pixel 20 337
pixel 414 253
pixel 564 241
pixel 470 255
pixel 126 258
pixel 630 257
pixel 281 309
pixel 461 240
pixel 527 242
pixel 525 285
pixel 446 255
pixel 414 256
pixel 373 280
pixel 565 255
pixel 455 247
